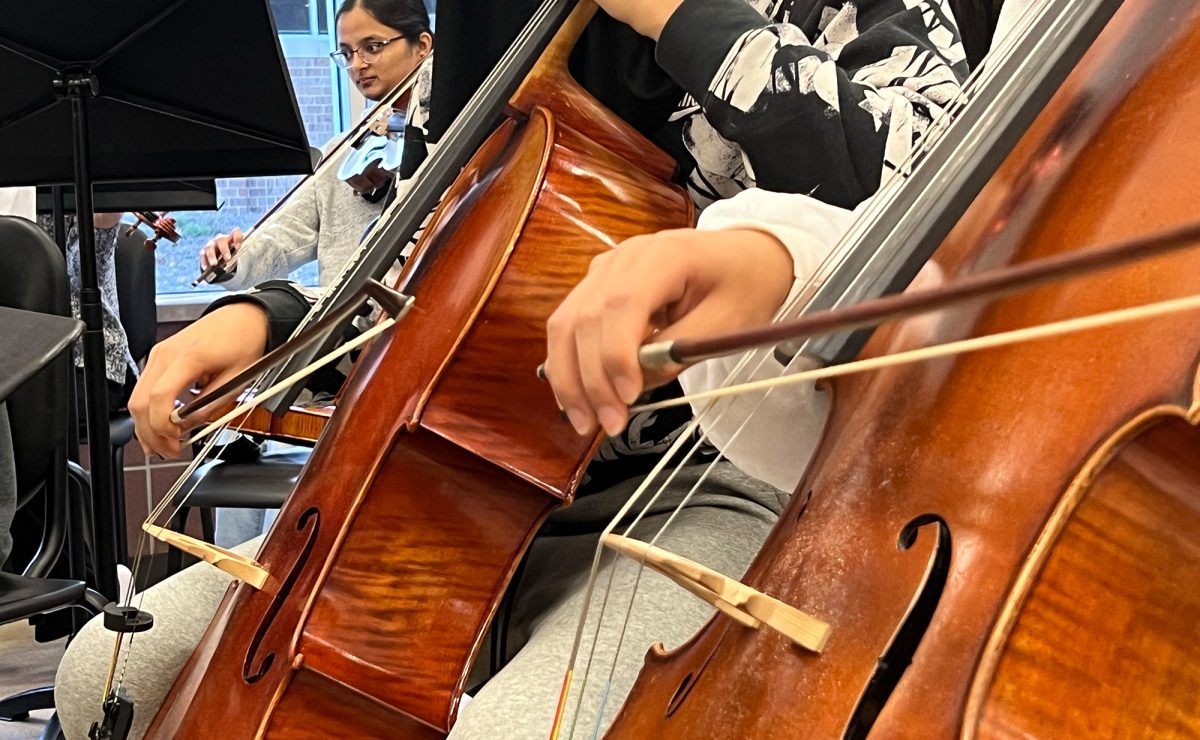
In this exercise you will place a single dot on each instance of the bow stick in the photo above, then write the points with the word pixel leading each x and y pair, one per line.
pixel 991 284
pixel 393 303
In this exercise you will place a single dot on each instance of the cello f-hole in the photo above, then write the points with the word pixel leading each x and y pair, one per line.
pixel 896 659
pixel 689 681
pixel 251 674
pixel 680 693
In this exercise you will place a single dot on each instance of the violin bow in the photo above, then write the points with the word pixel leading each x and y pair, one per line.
pixel 991 284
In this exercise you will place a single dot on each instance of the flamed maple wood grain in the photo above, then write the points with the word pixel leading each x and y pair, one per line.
pixel 392 553
pixel 990 442
pixel 1107 642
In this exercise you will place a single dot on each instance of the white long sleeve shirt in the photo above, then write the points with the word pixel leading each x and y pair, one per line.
pixel 771 437
pixel 18 202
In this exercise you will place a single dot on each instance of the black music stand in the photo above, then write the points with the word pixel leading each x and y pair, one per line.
pixel 119 90
pixel 32 341
pixel 111 197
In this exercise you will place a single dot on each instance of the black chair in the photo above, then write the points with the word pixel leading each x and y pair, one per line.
pixel 263 483
pixel 136 292
pixel 39 415
pixel 136 300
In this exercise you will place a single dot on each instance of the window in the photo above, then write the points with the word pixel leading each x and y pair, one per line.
pixel 301 16
pixel 321 93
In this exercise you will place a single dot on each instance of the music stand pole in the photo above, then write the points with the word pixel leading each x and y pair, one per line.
pixel 84 75
pixel 79 87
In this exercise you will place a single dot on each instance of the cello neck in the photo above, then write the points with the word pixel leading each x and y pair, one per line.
pixel 401 221
pixel 552 64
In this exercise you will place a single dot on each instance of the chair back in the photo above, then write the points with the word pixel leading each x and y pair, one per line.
pixel 135 269
pixel 35 279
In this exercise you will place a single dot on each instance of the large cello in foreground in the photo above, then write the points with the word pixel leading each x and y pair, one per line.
pixel 446 452
pixel 1005 544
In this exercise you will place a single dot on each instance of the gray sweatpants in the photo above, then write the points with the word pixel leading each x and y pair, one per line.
pixel 722 527
pixel 8 485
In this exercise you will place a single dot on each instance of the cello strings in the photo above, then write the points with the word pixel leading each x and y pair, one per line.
pixel 346 141
pixel 343 144
pixel 172 495
pixel 879 203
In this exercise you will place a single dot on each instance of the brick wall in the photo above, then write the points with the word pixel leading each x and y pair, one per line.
pixel 314 94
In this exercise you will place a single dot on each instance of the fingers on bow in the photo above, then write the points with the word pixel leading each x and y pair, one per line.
pixel 594 336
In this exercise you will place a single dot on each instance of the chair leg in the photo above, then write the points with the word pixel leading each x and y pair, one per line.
pixel 118 467
pixel 208 526
pixel 53 729
pixel 175 556
pixel 16 708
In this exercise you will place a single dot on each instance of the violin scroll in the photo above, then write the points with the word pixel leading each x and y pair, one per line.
pixel 161 225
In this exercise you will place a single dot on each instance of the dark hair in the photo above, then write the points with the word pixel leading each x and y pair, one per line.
pixel 408 17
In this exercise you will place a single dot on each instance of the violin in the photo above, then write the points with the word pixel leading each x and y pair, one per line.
pixel 1002 544
pixel 160 224
pixel 374 157
pixel 359 134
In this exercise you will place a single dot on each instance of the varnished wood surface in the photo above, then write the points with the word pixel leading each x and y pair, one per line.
pixel 989 443
pixel 301 425
pixel 1114 616
pixel 569 227
pixel 343 708
pixel 413 610
pixel 391 555
pixel 551 86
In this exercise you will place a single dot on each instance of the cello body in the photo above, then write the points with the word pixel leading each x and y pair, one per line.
pixel 1007 543
pixel 446 451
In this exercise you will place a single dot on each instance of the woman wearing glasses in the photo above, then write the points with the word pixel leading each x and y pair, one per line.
pixel 379 43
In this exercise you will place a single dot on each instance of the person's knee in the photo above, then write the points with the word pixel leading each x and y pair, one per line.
pixel 79 685
pixel 182 606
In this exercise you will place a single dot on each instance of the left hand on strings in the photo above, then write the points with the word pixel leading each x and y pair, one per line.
pixel 681 283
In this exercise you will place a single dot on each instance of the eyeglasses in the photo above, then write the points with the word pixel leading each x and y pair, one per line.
pixel 368 52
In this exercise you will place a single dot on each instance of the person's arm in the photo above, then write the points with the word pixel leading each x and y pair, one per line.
pixel 736 271
pixel 823 112
pixel 287 241
pixel 19 202
pixel 233 333
pixel 677 283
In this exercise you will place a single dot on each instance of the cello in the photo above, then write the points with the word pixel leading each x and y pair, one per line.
pixel 1004 543
pixel 420 458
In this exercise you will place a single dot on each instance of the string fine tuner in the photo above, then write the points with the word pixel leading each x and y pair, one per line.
pixel 118 718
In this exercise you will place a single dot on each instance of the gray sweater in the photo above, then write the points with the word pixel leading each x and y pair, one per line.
pixel 324 220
